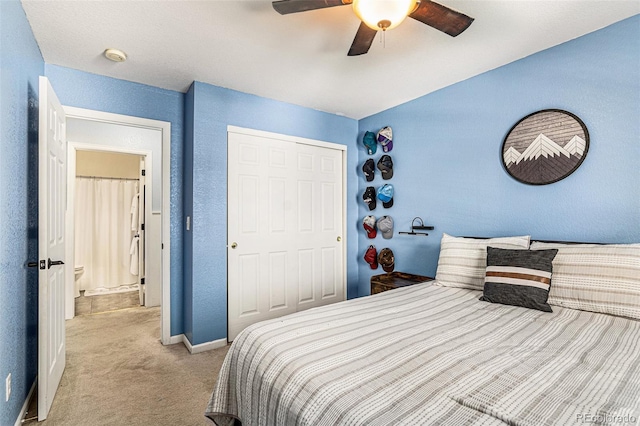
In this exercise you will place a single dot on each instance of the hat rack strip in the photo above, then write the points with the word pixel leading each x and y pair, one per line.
pixel 420 227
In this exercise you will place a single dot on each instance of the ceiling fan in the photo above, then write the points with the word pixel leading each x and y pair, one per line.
pixel 377 15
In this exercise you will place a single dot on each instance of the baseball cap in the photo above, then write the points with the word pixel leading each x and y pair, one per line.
pixel 385 194
pixel 385 226
pixel 387 259
pixel 369 141
pixel 369 224
pixel 385 164
pixel 369 197
pixel 371 257
pixel 369 170
pixel 385 138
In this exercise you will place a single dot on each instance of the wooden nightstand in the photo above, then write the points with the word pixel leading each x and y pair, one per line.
pixel 389 281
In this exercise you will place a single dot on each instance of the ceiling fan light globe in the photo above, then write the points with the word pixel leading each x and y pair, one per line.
pixel 374 12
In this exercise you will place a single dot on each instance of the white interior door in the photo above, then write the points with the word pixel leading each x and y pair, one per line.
pixel 51 246
pixel 261 266
pixel 285 225
pixel 141 233
pixel 318 179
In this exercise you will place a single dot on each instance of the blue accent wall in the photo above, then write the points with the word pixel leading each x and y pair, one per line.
pixel 215 108
pixel 447 152
pixel 85 90
pixel 187 193
pixel 20 66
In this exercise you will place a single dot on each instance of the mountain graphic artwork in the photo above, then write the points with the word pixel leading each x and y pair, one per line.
pixel 576 146
pixel 511 156
pixel 544 160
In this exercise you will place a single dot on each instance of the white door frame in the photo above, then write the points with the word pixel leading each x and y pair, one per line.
pixel 165 128
pixel 313 142
pixel 72 149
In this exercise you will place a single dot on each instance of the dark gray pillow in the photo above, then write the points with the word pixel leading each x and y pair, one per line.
pixel 518 277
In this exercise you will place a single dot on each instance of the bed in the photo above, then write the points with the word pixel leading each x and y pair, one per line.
pixel 433 353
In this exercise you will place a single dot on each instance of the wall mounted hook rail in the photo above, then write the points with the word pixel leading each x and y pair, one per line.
pixel 420 226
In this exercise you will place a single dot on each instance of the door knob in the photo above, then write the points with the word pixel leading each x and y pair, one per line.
pixel 339 239
pixel 51 263
pixel 234 245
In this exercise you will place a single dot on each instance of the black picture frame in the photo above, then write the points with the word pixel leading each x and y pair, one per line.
pixel 545 147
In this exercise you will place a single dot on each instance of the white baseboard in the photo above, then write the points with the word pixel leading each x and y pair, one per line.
pixel 25 406
pixel 202 347
pixel 196 349
pixel 176 339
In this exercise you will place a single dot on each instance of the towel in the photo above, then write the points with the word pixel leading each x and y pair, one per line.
pixel 134 269
pixel 134 212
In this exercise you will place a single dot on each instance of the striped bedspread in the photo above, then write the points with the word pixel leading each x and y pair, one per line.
pixel 434 355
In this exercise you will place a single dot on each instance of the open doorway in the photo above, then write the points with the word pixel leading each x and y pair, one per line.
pixel 109 245
pixel 98 133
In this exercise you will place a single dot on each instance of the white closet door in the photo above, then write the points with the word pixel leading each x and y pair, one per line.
pixel 285 209
pixel 319 226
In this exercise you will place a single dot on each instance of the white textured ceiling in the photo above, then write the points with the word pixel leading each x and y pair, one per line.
pixel 302 58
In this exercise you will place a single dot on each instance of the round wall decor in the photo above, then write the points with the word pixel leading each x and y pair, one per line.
pixel 545 147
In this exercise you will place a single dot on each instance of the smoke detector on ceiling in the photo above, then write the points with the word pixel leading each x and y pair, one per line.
pixel 115 55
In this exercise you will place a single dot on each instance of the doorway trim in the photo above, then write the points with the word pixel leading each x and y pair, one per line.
pixel 165 128
pixel 72 149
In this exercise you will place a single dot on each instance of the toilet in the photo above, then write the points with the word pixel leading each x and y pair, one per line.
pixel 79 270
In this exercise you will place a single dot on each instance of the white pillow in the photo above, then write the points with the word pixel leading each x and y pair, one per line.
pixel 597 278
pixel 463 261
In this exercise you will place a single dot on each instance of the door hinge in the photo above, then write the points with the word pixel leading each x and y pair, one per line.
pixel 141 280
pixel 144 172
pixel 142 226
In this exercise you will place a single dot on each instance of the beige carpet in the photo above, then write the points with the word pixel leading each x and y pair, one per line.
pixel 118 373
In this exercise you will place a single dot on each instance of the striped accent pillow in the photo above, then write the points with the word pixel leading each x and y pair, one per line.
pixel 518 277
pixel 602 278
pixel 463 261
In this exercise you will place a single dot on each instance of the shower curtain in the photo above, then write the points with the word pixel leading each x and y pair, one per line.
pixel 103 233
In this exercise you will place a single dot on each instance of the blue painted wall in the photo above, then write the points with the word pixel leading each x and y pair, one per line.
pixel 447 149
pixel 213 109
pixel 20 65
pixel 91 91
pixel 187 193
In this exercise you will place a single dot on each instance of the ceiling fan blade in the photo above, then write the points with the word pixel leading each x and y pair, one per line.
pixel 284 7
pixel 363 40
pixel 441 17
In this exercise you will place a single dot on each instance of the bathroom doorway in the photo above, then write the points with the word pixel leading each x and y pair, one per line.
pixel 96 131
pixel 109 267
